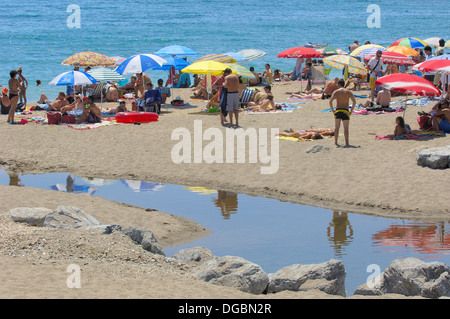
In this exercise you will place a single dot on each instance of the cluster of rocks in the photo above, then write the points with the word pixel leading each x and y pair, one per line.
pixel 409 277
pixel 436 158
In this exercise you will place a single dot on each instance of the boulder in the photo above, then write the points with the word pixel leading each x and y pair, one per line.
pixel 328 277
pixel 233 272
pixel 436 158
pixel 145 238
pixel 69 217
pixel 34 216
pixel 193 256
pixel 412 277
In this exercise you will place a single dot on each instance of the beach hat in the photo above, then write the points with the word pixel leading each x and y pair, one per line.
pixel 5 91
pixel 178 98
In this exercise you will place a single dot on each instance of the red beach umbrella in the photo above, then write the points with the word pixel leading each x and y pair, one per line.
pixel 393 58
pixel 300 52
pixel 433 66
pixel 408 83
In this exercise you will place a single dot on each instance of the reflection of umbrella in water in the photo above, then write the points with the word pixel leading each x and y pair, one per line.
pixel 70 187
pixel 98 181
pixel 427 239
pixel 200 190
pixel 138 186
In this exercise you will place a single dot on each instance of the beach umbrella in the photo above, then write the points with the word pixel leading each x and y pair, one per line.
pixel 205 67
pixel 138 186
pixel 352 64
pixel 217 58
pixel 73 78
pixel 409 84
pixel 410 42
pixel 240 70
pixel 140 63
pixel 445 56
pixel 433 66
pixel 102 74
pixel 403 50
pixel 89 58
pixel 238 57
pixel 393 58
pixel 329 50
pixel 433 42
pixel 173 50
pixel 367 49
pixel 117 60
pixel 176 63
pixel 300 52
pixel 252 54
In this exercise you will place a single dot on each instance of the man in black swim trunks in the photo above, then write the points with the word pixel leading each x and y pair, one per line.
pixel 342 113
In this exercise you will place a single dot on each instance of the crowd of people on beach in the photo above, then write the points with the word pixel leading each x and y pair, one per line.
pixel 225 94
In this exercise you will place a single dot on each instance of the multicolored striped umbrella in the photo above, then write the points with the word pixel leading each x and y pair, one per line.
pixel 403 50
pixel 217 58
pixel 118 60
pixel 341 61
pixel 241 70
pixel 89 58
pixel 410 42
pixel 367 49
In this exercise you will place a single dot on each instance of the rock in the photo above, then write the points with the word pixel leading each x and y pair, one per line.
pixel 412 277
pixel 233 272
pixel 436 158
pixel 328 277
pixel 33 216
pixel 317 148
pixel 69 217
pixel 193 256
pixel 109 229
pixel 145 238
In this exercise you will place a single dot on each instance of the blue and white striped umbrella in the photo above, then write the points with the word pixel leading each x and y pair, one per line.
pixel 73 78
pixel 140 63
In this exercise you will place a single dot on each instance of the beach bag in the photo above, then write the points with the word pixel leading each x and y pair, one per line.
pixel 424 122
pixel 68 118
pixel 54 117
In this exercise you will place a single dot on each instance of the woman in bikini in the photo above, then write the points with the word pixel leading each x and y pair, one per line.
pixel 13 95
pixel 5 102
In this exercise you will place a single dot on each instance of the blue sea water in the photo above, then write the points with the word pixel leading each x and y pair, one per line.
pixel 35 33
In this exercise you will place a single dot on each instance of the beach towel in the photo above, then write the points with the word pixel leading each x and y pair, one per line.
pixel 89 126
pixel 404 137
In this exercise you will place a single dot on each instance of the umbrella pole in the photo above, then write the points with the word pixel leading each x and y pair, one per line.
pixel 404 110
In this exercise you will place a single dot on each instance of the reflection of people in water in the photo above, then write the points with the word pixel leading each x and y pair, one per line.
pixel 339 237
pixel 227 202
pixel 14 180
pixel 69 184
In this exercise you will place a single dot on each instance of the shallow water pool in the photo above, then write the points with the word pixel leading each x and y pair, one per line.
pixel 271 233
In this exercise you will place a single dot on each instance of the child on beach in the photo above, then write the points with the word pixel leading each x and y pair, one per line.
pixel 400 128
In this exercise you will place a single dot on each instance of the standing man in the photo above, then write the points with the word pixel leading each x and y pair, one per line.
pixel 375 70
pixel 232 85
pixel 342 113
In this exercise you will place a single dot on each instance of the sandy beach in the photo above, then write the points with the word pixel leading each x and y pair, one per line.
pixel 377 177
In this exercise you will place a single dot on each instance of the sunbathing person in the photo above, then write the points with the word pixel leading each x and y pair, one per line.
pixel 91 113
pixel 400 128
pixel 58 103
pixel 259 97
pixel 265 106
pixel 304 135
pixel 76 105
pixel 441 121
pixel 313 96
pixel 121 108
pixel 322 131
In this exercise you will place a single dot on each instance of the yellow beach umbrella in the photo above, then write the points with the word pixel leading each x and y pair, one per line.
pixel 403 50
pixel 205 67
pixel 218 58
pixel 345 61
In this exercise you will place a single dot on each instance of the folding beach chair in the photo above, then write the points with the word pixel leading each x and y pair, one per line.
pixel 151 102
pixel 245 98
